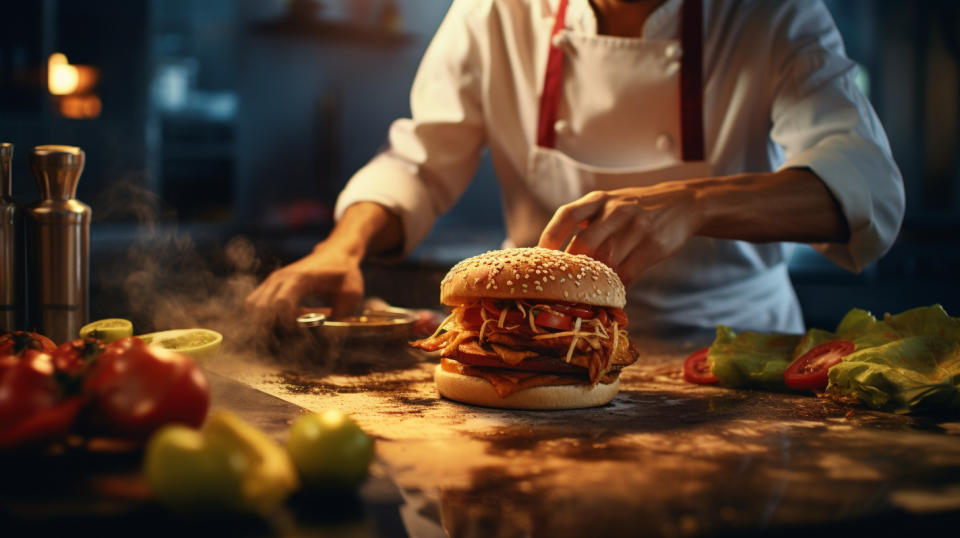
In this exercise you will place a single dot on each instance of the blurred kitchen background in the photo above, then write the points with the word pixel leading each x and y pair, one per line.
pixel 219 118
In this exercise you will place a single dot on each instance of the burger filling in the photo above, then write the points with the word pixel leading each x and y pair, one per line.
pixel 517 345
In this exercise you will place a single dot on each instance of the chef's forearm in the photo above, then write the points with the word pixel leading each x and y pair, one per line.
pixel 367 228
pixel 788 205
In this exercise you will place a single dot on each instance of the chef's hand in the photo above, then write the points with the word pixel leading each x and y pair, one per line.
pixel 327 273
pixel 332 271
pixel 631 229
pixel 628 229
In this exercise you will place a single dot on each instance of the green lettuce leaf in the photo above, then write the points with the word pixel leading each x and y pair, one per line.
pixel 903 363
pixel 750 359
pixel 917 368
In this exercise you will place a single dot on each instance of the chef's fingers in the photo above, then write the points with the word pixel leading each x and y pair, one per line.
pixel 616 248
pixel 650 251
pixel 348 295
pixel 612 221
pixel 565 220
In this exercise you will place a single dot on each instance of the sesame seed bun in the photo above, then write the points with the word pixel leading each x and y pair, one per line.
pixel 478 391
pixel 533 273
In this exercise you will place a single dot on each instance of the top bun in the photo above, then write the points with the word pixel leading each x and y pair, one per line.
pixel 533 273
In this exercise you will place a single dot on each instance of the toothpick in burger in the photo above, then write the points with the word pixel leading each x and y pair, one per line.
pixel 531 328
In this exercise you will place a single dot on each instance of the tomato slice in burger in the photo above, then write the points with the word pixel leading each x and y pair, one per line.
pixel 472 317
pixel 696 368
pixel 553 320
pixel 810 370
pixel 619 316
pixel 574 310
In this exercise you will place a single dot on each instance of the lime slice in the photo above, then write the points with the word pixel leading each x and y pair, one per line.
pixel 201 344
pixel 107 330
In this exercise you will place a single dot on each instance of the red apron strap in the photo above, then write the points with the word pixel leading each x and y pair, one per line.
pixel 552 85
pixel 691 81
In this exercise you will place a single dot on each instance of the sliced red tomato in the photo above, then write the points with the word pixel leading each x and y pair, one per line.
pixel 472 316
pixel 552 320
pixel 577 311
pixel 810 370
pixel 696 368
pixel 619 316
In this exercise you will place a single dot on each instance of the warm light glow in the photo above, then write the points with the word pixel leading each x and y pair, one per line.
pixel 80 107
pixel 62 78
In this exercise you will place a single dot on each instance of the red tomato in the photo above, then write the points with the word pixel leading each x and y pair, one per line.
pixel 562 322
pixel 472 317
pixel 577 311
pixel 32 406
pixel 74 357
pixel 14 344
pixel 696 368
pixel 810 370
pixel 136 389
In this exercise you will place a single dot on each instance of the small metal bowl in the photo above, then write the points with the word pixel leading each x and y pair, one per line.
pixel 382 324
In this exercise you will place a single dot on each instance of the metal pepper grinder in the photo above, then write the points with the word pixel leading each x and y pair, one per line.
pixel 12 286
pixel 58 245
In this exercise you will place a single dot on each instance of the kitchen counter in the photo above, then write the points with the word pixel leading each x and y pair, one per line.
pixel 664 458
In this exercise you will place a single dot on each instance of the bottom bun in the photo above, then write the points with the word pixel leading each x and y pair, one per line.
pixel 478 391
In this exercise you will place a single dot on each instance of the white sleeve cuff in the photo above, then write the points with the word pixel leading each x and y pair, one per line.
pixel 393 184
pixel 869 189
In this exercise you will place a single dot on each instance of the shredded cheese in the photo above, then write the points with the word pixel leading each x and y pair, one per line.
pixel 573 343
pixel 616 339
pixel 483 328
pixel 503 316
pixel 533 326
pixel 441 326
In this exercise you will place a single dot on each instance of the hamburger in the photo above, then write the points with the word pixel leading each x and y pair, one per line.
pixel 531 328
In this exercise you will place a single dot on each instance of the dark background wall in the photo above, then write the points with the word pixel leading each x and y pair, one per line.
pixel 228 117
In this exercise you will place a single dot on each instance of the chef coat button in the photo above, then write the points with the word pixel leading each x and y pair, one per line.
pixel 562 127
pixel 664 142
pixel 672 50
pixel 560 39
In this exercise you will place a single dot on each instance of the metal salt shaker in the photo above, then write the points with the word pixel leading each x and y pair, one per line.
pixel 58 245
pixel 12 286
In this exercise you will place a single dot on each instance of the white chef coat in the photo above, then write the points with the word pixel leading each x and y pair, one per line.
pixel 778 92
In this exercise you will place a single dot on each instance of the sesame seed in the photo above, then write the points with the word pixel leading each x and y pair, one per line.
pixel 539 288
pixel 509 283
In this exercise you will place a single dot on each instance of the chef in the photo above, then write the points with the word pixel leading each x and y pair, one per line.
pixel 686 143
